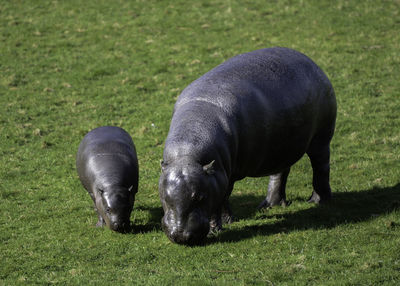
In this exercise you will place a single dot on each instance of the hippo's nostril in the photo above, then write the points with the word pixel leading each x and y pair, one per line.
pixel 173 235
pixel 176 236
pixel 183 237
pixel 187 236
pixel 120 226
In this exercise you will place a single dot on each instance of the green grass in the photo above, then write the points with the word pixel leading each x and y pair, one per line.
pixel 67 67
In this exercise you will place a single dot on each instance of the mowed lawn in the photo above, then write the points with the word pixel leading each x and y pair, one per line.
pixel 67 67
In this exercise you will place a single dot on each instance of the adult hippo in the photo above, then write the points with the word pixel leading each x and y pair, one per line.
pixel 108 169
pixel 254 115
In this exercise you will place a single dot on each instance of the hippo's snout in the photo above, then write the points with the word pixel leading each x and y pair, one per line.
pixel 183 237
pixel 120 226
pixel 193 232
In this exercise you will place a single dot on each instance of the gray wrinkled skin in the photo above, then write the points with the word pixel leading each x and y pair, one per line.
pixel 108 169
pixel 254 115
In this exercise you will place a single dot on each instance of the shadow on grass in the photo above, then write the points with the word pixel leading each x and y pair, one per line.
pixel 346 207
pixel 154 223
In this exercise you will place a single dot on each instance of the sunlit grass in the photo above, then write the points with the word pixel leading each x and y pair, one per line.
pixel 67 67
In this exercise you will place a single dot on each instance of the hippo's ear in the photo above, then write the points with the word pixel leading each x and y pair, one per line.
pixel 209 168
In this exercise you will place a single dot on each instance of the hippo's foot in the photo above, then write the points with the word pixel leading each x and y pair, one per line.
pixel 265 204
pixel 315 198
pixel 226 211
pixel 215 227
pixel 226 215
pixel 227 218
pixel 100 223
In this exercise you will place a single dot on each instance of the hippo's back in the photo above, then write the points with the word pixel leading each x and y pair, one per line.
pixel 106 139
pixel 266 106
pixel 108 144
pixel 277 72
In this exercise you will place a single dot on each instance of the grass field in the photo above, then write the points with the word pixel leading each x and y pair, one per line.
pixel 67 67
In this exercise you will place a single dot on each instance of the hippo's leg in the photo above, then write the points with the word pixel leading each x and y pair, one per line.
pixel 215 223
pixel 319 156
pixel 227 216
pixel 276 194
pixel 223 214
pixel 100 222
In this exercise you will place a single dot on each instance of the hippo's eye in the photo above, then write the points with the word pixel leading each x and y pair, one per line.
pixel 108 210
pixel 101 191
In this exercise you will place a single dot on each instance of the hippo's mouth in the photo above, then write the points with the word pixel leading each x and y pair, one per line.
pixel 187 237
pixel 122 227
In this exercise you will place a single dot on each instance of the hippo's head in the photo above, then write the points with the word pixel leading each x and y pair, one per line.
pixel 189 194
pixel 114 204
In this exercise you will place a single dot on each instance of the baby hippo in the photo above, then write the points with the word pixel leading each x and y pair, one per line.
pixel 108 169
